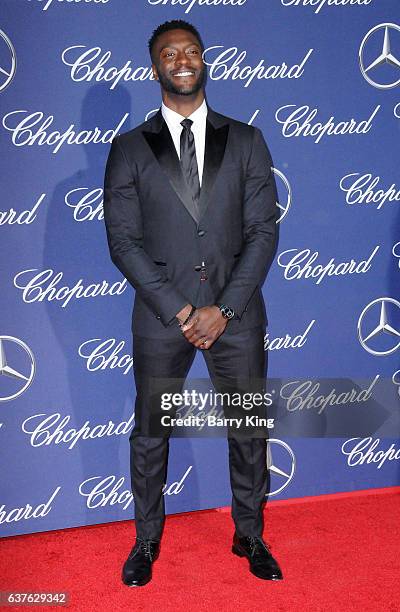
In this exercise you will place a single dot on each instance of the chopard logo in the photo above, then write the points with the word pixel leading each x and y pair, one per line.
pixel 100 492
pixel 303 395
pixel 87 64
pixel 298 122
pixel 228 65
pixel 45 285
pixel 360 189
pixel 45 430
pixel 28 511
pixel 12 217
pixel 396 381
pixel 103 354
pixel 48 3
pixel 287 342
pixel 396 252
pixel 33 129
pixel 319 4
pixel 86 204
pixel 360 451
pixel 189 4
pixel 300 265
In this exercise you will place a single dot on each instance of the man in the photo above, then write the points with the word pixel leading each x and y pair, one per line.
pixel 190 212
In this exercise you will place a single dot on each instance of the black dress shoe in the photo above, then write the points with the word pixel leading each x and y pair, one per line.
pixel 262 563
pixel 137 567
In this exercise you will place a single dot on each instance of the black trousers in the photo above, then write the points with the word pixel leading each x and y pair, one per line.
pixel 231 357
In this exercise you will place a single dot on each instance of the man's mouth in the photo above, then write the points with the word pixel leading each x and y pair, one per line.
pixel 184 73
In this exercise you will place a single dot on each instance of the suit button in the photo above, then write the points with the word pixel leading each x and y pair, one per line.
pixel 158 317
pixel 197 268
pixel 201 233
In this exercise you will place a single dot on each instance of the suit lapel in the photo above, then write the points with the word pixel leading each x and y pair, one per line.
pixel 162 145
pixel 213 155
pixel 160 141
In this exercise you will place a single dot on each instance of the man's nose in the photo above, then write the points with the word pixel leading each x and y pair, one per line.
pixel 182 59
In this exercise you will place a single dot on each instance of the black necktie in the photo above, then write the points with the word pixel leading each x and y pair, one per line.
pixel 188 159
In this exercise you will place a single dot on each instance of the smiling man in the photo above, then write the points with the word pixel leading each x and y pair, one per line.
pixel 190 212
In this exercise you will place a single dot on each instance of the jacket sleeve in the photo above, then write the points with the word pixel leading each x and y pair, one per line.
pixel 123 220
pixel 260 214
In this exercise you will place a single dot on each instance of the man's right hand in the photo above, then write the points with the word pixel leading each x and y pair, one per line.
pixel 184 313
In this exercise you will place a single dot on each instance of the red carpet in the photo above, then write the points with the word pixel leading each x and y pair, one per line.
pixel 337 553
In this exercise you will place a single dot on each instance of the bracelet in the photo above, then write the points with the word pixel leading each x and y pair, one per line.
pixel 188 317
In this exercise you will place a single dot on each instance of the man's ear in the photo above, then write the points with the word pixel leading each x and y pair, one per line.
pixel 155 73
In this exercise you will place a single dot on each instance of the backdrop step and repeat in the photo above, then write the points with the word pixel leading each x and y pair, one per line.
pixel 321 79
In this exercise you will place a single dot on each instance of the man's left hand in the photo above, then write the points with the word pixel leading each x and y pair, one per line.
pixel 206 324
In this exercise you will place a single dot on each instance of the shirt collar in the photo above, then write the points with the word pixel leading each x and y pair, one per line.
pixel 174 118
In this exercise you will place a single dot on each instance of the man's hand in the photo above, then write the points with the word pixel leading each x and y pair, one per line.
pixel 208 324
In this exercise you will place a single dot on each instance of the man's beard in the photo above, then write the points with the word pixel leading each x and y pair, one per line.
pixel 185 90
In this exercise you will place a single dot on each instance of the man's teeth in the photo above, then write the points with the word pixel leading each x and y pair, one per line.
pixel 184 73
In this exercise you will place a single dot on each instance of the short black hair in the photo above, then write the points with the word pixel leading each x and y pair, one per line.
pixel 174 24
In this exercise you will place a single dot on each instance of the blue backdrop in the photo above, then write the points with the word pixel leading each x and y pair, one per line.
pixel 320 78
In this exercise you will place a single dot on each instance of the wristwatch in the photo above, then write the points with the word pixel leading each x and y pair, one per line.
pixel 227 312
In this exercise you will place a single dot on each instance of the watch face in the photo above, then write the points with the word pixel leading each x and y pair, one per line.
pixel 227 312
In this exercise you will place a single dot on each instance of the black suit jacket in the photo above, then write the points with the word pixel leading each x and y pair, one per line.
pixel 157 240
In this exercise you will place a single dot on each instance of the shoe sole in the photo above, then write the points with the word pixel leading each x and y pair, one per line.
pixel 240 553
pixel 128 584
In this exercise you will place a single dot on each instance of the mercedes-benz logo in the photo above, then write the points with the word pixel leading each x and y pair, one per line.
pixel 281 466
pixel 8 61
pixel 384 327
pixel 20 373
pixel 384 57
pixel 284 208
